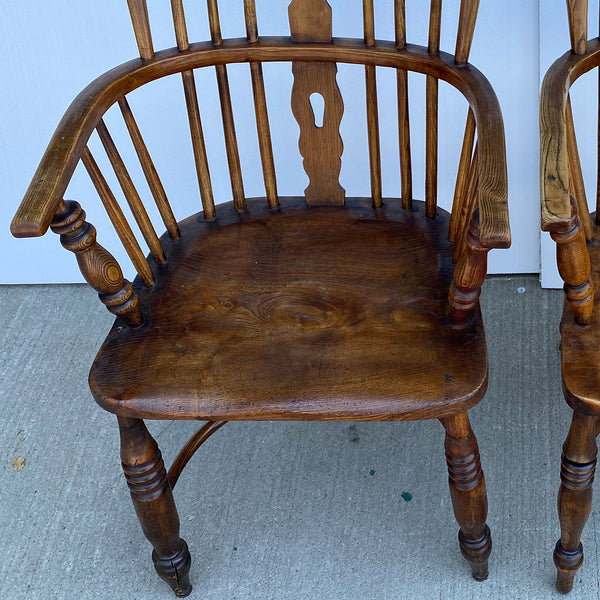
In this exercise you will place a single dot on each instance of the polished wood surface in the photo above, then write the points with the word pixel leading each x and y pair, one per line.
pixel 57 166
pixel 314 307
pixel 348 325
pixel 566 215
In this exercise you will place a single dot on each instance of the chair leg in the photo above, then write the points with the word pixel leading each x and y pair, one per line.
pixel 467 490
pixel 578 464
pixel 153 501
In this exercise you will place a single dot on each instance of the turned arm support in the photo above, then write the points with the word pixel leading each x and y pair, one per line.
pixel 97 265
pixel 573 262
pixel 469 274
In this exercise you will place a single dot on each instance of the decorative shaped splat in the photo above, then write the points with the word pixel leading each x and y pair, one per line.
pixel 317 105
pixel 310 21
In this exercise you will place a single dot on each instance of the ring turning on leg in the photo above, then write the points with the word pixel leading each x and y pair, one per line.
pixel 153 501
pixel 467 490
pixel 578 465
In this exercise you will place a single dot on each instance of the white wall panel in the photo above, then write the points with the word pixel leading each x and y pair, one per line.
pixel 50 51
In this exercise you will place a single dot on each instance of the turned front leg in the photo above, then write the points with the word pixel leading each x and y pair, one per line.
pixel 578 464
pixel 469 274
pixel 467 490
pixel 153 501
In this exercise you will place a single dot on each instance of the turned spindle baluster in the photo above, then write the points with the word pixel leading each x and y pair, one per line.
pixel 153 502
pixel 469 274
pixel 574 267
pixel 578 465
pixel 97 265
pixel 467 490
pixel 578 17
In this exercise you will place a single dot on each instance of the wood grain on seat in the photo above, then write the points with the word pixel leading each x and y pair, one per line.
pixel 298 313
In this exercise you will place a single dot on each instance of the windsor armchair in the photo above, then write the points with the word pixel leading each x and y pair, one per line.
pixel 565 214
pixel 312 307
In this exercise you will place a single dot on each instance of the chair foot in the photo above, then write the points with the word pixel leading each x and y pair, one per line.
pixel 467 490
pixel 153 502
pixel 477 551
pixel 175 570
pixel 578 465
pixel 567 564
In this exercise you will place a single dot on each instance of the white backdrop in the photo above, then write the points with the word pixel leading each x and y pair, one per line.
pixel 51 50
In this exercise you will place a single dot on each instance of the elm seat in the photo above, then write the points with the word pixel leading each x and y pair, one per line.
pixel 311 307
pixel 298 313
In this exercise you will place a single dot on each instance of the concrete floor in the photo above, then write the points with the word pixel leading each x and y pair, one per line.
pixel 278 510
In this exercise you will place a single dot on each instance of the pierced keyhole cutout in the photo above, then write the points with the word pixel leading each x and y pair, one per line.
pixel 317 103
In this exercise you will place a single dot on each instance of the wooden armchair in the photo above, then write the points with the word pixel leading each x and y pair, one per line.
pixel 565 214
pixel 310 307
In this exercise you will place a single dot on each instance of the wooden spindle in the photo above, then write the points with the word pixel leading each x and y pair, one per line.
pixel 373 131
pixel 400 23
pixel 180 25
pixel 466 27
pixel 98 267
pixel 576 174
pixel 154 182
pixel 468 206
pixel 214 23
pixel 260 109
pixel 578 17
pixel 404 139
pixel 231 146
pixel 369 22
pixel 193 110
pixel 138 10
pixel 199 148
pixel 435 25
pixel 431 146
pixel 117 218
pixel 403 110
pixel 462 176
pixel 131 194
pixel 431 122
pixel 372 107
pixel 251 23
pixel 264 134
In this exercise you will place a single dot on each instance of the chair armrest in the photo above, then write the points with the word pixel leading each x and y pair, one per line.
pixel 554 165
pixel 50 181
pixel 493 182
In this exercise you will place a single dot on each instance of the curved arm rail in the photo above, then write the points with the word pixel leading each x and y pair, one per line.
pixel 64 151
pixel 554 165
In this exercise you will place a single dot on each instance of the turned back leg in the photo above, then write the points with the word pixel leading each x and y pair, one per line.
pixel 467 490
pixel 153 501
pixel 578 464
